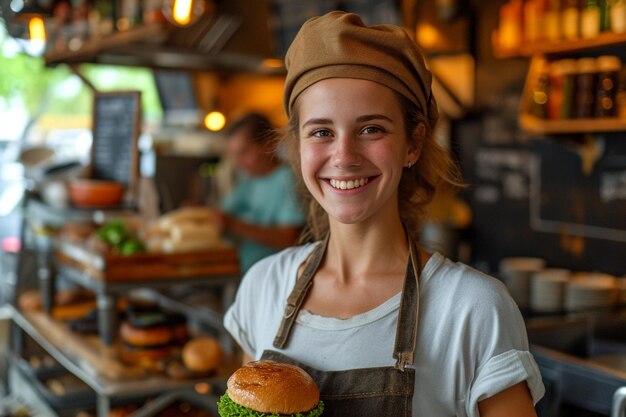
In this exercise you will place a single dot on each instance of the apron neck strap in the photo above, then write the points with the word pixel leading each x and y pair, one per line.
pixel 298 294
pixel 406 329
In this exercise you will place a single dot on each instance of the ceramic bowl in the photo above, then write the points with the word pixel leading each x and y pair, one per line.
pixel 95 193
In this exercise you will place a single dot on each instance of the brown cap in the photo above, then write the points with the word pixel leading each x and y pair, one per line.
pixel 340 45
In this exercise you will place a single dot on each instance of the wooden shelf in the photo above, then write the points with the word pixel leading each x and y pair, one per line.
pixel 150 33
pixel 606 39
pixel 534 125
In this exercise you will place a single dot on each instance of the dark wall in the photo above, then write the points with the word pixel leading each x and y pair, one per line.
pixel 509 172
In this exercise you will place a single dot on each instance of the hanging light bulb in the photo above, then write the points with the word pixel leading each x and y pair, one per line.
pixel 215 121
pixel 184 12
pixel 37 29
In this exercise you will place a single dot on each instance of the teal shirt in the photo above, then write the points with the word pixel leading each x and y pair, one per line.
pixel 264 201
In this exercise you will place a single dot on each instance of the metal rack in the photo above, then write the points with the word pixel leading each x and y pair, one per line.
pixel 80 355
pixel 106 389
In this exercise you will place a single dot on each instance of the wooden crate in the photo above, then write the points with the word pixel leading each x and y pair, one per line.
pixel 112 267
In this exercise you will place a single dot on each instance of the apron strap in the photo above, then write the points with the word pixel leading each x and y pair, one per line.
pixel 406 331
pixel 298 294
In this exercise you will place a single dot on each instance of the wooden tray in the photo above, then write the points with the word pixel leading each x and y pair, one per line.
pixel 219 262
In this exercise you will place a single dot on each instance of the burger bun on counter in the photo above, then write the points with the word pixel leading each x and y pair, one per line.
pixel 202 355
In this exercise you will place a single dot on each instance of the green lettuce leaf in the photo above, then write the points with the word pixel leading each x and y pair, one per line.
pixel 228 408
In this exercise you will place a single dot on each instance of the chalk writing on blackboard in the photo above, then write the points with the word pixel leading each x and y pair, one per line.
pixel 613 186
pixel 566 200
pixel 116 127
pixel 505 169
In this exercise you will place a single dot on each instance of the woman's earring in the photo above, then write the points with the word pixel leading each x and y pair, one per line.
pixel 409 167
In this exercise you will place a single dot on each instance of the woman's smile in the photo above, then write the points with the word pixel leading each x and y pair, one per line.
pixel 350 184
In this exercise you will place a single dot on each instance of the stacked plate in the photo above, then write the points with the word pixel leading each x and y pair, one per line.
pixel 587 291
pixel 547 290
pixel 517 273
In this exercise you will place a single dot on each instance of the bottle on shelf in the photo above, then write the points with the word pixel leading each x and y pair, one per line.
pixel 605 15
pixel 555 90
pixel 590 20
pixel 568 68
pixel 62 14
pixel 152 11
pixel 80 23
pixel 570 20
pixel 609 67
pixel 586 70
pixel 130 14
pixel 510 27
pixel 106 14
pixel 618 16
pixel 534 16
pixel 552 21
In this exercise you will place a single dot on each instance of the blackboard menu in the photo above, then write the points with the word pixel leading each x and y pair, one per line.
pixel 116 128
pixel 583 199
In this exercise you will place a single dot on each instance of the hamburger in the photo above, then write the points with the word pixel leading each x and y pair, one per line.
pixel 270 389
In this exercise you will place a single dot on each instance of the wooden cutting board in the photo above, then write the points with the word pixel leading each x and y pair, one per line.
pixel 219 262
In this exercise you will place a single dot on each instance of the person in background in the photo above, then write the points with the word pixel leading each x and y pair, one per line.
pixel 261 212
pixel 384 327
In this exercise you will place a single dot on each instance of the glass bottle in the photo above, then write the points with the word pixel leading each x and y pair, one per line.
pixel 555 90
pixel 552 24
pixel 618 16
pixel 534 11
pixel 605 15
pixel 568 69
pixel 586 69
pixel 152 11
pixel 590 20
pixel 510 31
pixel 106 16
pixel 609 67
pixel 570 20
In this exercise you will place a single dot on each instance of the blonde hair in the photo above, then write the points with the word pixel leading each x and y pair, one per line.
pixel 435 171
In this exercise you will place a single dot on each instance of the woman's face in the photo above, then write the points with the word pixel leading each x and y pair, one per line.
pixel 353 147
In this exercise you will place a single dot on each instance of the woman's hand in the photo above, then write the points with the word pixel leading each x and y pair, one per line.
pixel 222 220
pixel 512 402
pixel 278 237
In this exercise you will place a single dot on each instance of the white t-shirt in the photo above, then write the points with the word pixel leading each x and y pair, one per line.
pixel 471 340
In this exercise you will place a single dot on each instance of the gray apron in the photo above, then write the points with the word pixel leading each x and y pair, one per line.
pixel 383 391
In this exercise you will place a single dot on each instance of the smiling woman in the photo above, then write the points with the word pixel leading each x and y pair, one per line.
pixel 350 141
pixel 383 326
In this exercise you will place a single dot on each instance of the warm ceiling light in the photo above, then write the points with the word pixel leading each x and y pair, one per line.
pixel 427 35
pixel 37 29
pixel 215 121
pixel 184 12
